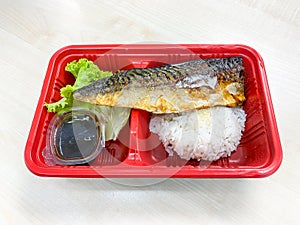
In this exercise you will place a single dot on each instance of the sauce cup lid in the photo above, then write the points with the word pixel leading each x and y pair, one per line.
pixel 75 137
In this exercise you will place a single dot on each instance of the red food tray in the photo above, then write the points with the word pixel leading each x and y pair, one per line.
pixel 258 155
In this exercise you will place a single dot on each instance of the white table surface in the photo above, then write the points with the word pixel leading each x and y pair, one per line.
pixel 31 31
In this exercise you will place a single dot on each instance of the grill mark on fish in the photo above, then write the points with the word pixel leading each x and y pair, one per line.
pixel 209 73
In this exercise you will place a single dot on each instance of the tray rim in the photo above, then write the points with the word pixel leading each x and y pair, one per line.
pixel 185 172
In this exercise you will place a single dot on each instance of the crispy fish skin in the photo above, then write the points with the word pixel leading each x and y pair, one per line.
pixel 171 88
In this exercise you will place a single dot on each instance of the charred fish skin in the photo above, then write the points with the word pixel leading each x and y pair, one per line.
pixel 135 88
pixel 225 69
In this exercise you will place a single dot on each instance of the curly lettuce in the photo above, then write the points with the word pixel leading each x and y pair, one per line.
pixel 85 73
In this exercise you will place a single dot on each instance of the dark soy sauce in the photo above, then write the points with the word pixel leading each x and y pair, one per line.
pixel 77 137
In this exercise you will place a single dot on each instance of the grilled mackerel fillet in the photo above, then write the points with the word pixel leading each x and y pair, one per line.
pixel 171 88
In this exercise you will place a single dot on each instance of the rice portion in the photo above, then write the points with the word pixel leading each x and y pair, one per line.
pixel 207 134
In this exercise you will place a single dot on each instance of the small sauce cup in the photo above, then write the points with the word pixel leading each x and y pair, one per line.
pixel 75 137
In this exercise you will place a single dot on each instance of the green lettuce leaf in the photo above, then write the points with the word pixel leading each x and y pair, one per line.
pixel 85 73
pixel 63 104
pixel 116 117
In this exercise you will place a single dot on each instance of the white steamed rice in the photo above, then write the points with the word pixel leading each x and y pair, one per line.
pixel 207 134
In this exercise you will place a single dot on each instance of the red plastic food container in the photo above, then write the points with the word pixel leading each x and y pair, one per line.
pixel 258 155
